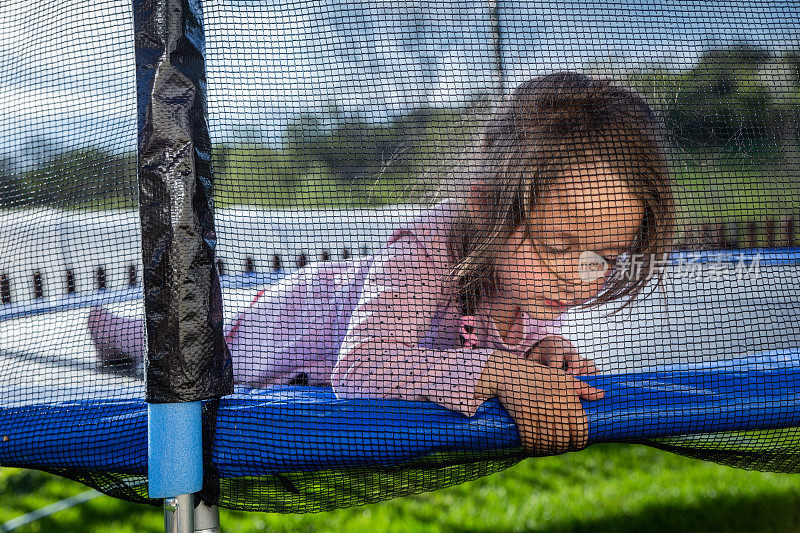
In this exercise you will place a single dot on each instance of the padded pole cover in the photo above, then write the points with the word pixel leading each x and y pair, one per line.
pixel 187 357
pixel 174 449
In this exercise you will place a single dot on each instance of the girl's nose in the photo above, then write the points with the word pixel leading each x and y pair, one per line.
pixel 575 286
pixel 579 272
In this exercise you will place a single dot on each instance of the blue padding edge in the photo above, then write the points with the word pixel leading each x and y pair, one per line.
pixel 291 429
pixel 174 449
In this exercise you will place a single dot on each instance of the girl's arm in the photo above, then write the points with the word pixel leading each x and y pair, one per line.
pixel 544 402
pixel 381 356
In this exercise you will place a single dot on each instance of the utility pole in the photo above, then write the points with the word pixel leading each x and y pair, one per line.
pixel 497 48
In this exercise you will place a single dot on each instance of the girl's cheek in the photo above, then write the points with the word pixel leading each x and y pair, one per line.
pixel 540 278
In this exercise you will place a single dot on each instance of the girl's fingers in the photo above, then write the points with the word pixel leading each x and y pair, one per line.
pixel 562 425
pixel 550 416
pixel 587 392
pixel 577 366
pixel 583 366
pixel 555 360
pixel 541 436
pixel 573 427
pixel 580 430
pixel 559 437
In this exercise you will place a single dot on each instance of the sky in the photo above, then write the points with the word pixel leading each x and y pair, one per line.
pixel 68 66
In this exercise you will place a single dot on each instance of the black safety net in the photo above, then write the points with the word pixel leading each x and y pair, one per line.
pixel 393 246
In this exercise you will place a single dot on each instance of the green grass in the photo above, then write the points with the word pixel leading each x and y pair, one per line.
pixel 604 488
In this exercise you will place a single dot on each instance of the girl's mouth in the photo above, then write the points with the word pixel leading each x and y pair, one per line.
pixel 555 304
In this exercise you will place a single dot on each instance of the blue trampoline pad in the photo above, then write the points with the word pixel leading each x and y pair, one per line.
pixel 295 428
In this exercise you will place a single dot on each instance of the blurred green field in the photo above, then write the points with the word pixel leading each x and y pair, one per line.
pixel 608 487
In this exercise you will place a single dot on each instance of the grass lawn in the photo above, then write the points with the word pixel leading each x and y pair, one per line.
pixel 608 487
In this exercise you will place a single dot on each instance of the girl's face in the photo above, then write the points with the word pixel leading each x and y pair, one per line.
pixel 587 211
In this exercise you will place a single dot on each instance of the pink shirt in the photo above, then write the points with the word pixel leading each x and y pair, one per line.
pixel 384 326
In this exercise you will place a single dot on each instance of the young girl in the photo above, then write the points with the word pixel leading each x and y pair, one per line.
pixel 463 304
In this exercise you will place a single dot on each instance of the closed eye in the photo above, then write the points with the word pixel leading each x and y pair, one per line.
pixel 556 249
pixel 566 248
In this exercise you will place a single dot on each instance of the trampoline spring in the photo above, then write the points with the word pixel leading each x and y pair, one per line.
pixel 788 231
pixel 769 231
pixel 38 285
pixel 5 289
pixel 100 278
pixel 70 281
pixel 731 235
pixel 133 276
pixel 708 236
pixel 751 234
pixel 725 240
pixel 720 238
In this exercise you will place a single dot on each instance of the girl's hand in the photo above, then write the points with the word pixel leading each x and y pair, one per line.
pixel 555 351
pixel 544 402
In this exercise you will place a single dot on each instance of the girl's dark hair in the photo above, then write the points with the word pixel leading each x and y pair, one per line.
pixel 549 124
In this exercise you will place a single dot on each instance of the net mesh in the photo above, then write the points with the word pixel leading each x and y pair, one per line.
pixel 442 233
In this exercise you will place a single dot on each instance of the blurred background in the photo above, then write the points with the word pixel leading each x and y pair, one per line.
pixel 352 104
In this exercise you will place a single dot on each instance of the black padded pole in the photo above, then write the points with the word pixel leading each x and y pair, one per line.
pixel 187 356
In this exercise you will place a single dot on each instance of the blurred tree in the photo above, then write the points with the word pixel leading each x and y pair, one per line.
pixel 721 100
pixel 254 174
pixel 85 177
pixel 781 77
pixel 10 190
